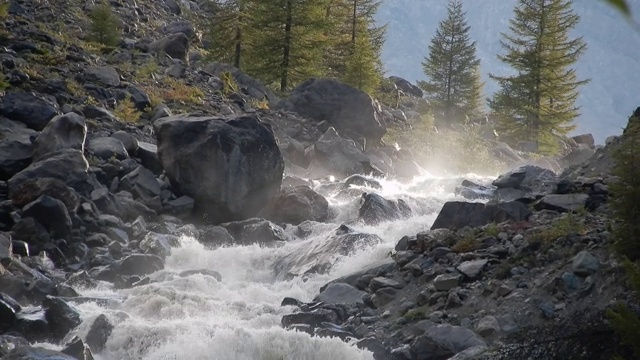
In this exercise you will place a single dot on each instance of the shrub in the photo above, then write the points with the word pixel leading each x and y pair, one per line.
pixel 259 104
pixel 466 244
pixel 229 84
pixel 3 82
pixel 178 91
pixel 569 224
pixel 105 25
pixel 126 110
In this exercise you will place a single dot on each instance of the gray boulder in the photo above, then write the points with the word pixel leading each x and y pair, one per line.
pixel 67 131
pixel 458 214
pixel 107 147
pixel 577 156
pixel 347 109
pixel 175 45
pixel 32 189
pixel 179 26
pixel 562 202
pixel 255 231
pixel 68 165
pixel 295 205
pixel 15 147
pixel 231 167
pixel 148 155
pixel 50 212
pixel 585 139
pixel 27 108
pixel 130 143
pixel 376 209
pixel 102 75
pixel 141 183
pixel 340 293
pixel 444 341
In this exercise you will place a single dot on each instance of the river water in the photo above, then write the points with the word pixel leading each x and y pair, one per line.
pixel 197 317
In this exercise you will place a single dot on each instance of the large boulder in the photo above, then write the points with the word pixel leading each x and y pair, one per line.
pixel 15 147
pixel 334 155
pixel 175 45
pixel 528 178
pixel 69 166
pixel 32 189
pixel 255 231
pixel 28 109
pixel 107 147
pixel 585 139
pixel 577 156
pixel 346 108
pixel 376 209
pixel 458 214
pixel 406 86
pixel 50 212
pixel 297 204
pixel 66 131
pixel 319 255
pixel 102 75
pixel 231 167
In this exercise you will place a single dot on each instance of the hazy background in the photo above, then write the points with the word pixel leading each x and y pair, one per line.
pixel 612 60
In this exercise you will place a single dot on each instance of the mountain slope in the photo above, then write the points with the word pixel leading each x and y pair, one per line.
pixel 612 59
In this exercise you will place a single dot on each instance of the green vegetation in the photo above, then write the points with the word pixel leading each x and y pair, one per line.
pixel 466 244
pixel 453 69
pixel 538 102
pixel 227 32
pixel 105 25
pixel 3 82
pixel 126 110
pixel 177 91
pixel 626 230
pixel 568 224
pixel 229 84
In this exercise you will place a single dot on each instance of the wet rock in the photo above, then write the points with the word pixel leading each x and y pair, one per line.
pixel 214 274
pixel 36 353
pixel 69 166
pixel 296 205
pixel 136 264
pixel 106 148
pixel 28 109
pixel 363 181
pixel 130 143
pixel 376 209
pixel 158 244
pixel 51 213
pixel 102 75
pixel 313 318
pixel 375 346
pixel 61 317
pixel 231 167
pixel 529 177
pixel 255 231
pixel 320 255
pixel 339 293
pixel 99 333
pixel 510 180
pixel 585 264
pixel 78 349
pixel 8 310
pixel 446 282
pixel 214 236
pixel 66 131
pixel 8 343
pixel 564 203
pixel 444 341
pixel 473 191
pixel 473 268
pixel 342 106
pixel 457 214
pixel 175 45
pixel 15 147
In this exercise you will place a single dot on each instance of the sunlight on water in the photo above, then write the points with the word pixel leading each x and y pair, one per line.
pixel 197 317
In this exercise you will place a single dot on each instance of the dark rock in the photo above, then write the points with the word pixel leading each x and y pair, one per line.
pixel 130 143
pixel 32 232
pixel 510 180
pixel 313 318
pixel 69 166
pixel 359 180
pixel 320 255
pixel 66 131
pixel 444 341
pixel 231 167
pixel 50 212
pixel 446 282
pixel 28 109
pixel 214 236
pixel 565 186
pixel 15 147
pixel 96 112
pixel 173 6
pixel 383 296
pixel 376 209
pixel 181 207
pixel 102 75
pixel 528 177
pixel 456 214
pixel 406 87
pixel 36 353
pixel 106 148
pixel 344 107
pixel 78 349
pixel 8 343
pixel 141 183
pixel 585 139
pixel 148 155
pixel 255 231
pixel 6 250
pixel 136 264
pixel 60 316
pixel 175 45
pixel 585 264
pixel 252 87
pixel 564 203
pixel 8 310
pixel 139 98
pixel 158 244
pixel 99 333
pixel 340 293
pixel 179 26
pixel 296 205
pixel 380 282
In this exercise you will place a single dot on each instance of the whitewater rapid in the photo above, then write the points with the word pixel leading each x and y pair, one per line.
pixel 197 317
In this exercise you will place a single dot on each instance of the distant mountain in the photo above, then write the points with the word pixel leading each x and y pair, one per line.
pixel 612 60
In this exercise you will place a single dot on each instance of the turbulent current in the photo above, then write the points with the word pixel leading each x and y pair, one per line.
pixel 198 317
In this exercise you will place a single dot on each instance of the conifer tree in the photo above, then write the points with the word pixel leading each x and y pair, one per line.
pixel 452 67
pixel 228 31
pixel 287 47
pixel 537 103
pixel 105 25
pixel 361 69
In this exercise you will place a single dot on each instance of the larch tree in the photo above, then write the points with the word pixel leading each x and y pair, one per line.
pixel 228 32
pixel 287 41
pixel 452 68
pixel 538 102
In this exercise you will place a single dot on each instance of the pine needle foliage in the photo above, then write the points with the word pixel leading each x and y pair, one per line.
pixel 452 67
pixel 105 25
pixel 228 31
pixel 538 102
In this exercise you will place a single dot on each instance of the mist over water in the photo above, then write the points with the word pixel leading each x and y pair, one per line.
pixel 197 317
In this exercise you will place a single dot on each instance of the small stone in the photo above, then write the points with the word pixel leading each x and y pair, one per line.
pixel 472 268
pixel 381 282
pixel 504 290
pixel 488 326
pixel 446 282
pixel 548 310
pixel 585 264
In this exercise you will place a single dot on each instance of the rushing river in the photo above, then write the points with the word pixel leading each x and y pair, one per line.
pixel 197 317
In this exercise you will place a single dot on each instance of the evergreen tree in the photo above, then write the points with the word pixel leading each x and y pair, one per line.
pixel 537 103
pixel 105 25
pixel 287 46
pixel 227 32
pixel 361 65
pixel 452 67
